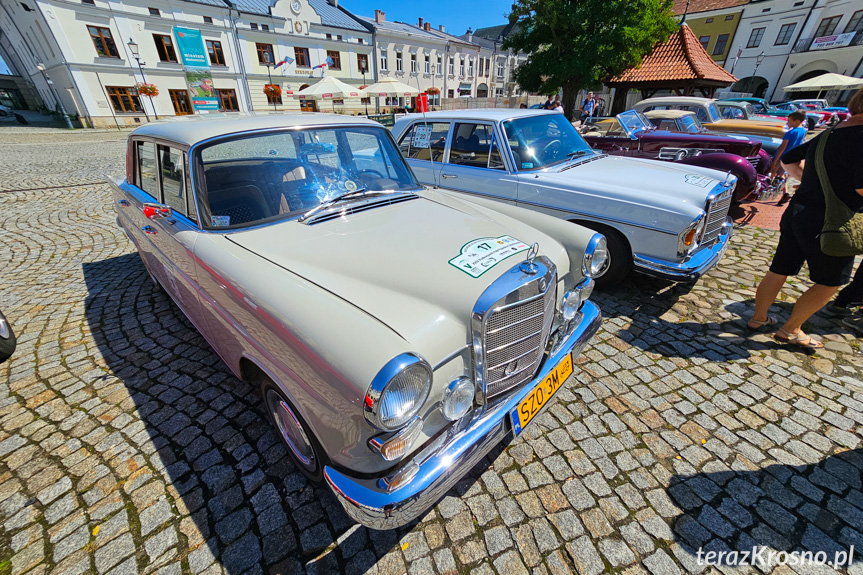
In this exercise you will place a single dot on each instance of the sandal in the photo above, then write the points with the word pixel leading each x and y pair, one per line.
pixel 799 339
pixel 758 325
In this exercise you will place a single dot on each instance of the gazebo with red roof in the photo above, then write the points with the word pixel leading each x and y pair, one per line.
pixel 680 64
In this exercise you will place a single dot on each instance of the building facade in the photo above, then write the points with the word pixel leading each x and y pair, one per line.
pixel 503 62
pixel 714 23
pixel 96 53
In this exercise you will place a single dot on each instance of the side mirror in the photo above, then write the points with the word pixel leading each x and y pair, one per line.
pixel 154 211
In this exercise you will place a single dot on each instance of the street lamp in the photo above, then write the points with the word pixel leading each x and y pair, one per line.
pixel 758 60
pixel 268 63
pixel 364 69
pixel 133 48
pixel 41 67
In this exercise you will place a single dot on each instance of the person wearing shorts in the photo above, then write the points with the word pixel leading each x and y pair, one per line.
pixel 801 226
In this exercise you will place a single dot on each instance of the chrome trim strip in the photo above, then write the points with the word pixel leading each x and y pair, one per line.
pixel 595 217
pixel 447 458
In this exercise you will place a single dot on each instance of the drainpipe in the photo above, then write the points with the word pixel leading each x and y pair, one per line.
pixel 788 57
pixel 240 60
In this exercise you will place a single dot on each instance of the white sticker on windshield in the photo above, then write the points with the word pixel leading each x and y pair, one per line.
pixel 221 220
pixel 421 136
pixel 700 181
pixel 479 256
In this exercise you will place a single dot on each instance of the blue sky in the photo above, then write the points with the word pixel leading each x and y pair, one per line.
pixel 456 15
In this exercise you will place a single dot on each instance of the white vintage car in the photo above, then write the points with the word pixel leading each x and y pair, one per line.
pixel 398 333
pixel 663 219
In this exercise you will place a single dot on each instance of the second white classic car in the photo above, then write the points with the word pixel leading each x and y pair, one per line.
pixel 398 334
pixel 663 219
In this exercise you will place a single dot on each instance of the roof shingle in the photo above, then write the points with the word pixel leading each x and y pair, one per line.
pixel 681 58
pixel 696 6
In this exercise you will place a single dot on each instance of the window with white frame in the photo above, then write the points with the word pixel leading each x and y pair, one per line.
pixel 413 63
pixel 440 65
pixel 461 67
pixel 480 66
pixel 500 68
pixel 451 65
pixel 384 64
pixel 400 65
pixel 470 67
pixel 428 64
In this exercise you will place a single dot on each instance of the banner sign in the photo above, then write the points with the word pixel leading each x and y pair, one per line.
pixel 198 76
pixel 836 41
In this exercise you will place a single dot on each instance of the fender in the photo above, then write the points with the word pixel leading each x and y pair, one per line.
pixel 747 177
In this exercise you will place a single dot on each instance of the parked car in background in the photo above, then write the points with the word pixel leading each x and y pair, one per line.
pixel 631 134
pixel 708 114
pixel 686 121
pixel 761 107
pixel 5 110
pixel 744 111
pixel 813 107
pixel 659 218
pixel 840 111
pixel 7 339
pixel 398 334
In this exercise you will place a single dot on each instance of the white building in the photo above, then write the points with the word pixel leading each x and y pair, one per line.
pixel 501 78
pixel 88 49
pixel 461 64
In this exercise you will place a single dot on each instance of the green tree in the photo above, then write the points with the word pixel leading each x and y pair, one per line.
pixel 577 43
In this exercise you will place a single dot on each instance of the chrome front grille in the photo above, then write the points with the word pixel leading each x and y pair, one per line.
pixel 515 338
pixel 754 160
pixel 717 211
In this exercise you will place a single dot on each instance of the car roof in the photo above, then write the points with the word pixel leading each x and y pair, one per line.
pixel 731 103
pixel 189 130
pixel 677 100
pixel 498 114
pixel 668 114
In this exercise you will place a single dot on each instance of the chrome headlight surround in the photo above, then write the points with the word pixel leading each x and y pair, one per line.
pixel 595 256
pixel 575 298
pixel 398 392
pixel 689 238
pixel 458 399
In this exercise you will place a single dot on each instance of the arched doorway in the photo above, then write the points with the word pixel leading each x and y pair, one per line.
pixel 482 91
pixel 755 85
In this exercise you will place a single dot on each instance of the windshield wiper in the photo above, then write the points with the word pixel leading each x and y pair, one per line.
pixel 330 202
pixel 577 154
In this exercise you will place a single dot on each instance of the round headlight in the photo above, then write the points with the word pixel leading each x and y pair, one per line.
pixel 398 392
pixel 595 256
pixel 457 399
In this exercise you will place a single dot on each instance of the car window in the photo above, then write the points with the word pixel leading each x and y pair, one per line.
pixel 543 140
pixel 665 124
pixel 262 177
pixel 699 112
pixel 689 124
pixel 472 145
pixel 147 177
pixel 425 140
pixel 732 112
pixel 173 182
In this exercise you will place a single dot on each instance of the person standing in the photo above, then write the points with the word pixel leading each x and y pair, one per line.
pixel 801 225
pixel 549 104
pixel 588 105
pixel 557 107
pixel 793 137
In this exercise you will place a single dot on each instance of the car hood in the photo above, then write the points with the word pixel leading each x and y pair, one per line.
pixel 393 262
pixel 648 186
pixel 763 127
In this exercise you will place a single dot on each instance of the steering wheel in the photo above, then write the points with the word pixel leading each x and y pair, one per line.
pixel 370 171
pixel 551 149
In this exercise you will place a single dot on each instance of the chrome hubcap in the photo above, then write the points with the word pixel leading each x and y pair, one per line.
pixel 291 429
pixel 4 329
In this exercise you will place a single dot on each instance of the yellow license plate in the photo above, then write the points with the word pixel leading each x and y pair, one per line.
pixel 541 394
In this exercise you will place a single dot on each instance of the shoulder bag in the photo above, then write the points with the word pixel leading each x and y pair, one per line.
pixel 842 233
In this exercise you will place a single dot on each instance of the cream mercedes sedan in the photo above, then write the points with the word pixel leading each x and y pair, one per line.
pixel 398 333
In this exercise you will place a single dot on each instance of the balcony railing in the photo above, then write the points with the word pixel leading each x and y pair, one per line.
pixel 805 44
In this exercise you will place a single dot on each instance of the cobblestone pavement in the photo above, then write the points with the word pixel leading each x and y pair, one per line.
pixel 126 446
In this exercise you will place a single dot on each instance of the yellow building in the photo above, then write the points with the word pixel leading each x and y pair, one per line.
pixel 714 23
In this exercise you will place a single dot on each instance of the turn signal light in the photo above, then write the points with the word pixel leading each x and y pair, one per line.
pixel 689 237
pixel 400 443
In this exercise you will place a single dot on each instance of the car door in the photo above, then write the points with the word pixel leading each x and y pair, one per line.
pixel 135 194
pixel 176 234
pixel 423 146
pixel 474 162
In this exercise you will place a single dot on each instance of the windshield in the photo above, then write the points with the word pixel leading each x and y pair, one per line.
pixel 690 124
pixel 713 112
pixel 633 122
pixel 269 176
pixel 543 140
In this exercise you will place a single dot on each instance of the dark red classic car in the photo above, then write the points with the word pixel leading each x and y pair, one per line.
pixel 632 134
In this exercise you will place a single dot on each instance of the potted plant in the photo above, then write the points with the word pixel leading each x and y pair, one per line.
pixel 272 90
pixel 149 90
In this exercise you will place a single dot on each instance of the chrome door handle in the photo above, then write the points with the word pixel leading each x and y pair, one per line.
pixel 150 230
pixel 448 176
pixel 124 203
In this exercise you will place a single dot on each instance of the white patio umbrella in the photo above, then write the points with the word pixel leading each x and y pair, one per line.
pixel 330 88
pixel 825 82
pixel 392 88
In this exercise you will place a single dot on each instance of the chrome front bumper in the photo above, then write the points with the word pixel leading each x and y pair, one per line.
pixel 445 460
pixel 693 268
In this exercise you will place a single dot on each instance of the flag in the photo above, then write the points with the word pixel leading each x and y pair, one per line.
pixel 285 61
pixel 736 58
pixel 324 65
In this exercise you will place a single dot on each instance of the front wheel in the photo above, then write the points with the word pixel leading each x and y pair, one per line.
pixel 303 448
pixel 619 261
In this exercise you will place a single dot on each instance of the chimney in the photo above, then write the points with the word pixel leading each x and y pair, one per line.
pixel 469 34
pixel 335 3
pixel 380 16
pixel 441 28
pixel 421 23
pixel 427 26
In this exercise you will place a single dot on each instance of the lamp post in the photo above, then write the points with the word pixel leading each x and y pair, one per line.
pixel 268 63
pixel 41 67
pixel 365 69
pixel 758 60
pixel 133 48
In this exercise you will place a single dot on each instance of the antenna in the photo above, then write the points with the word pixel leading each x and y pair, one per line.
pixel 428 142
